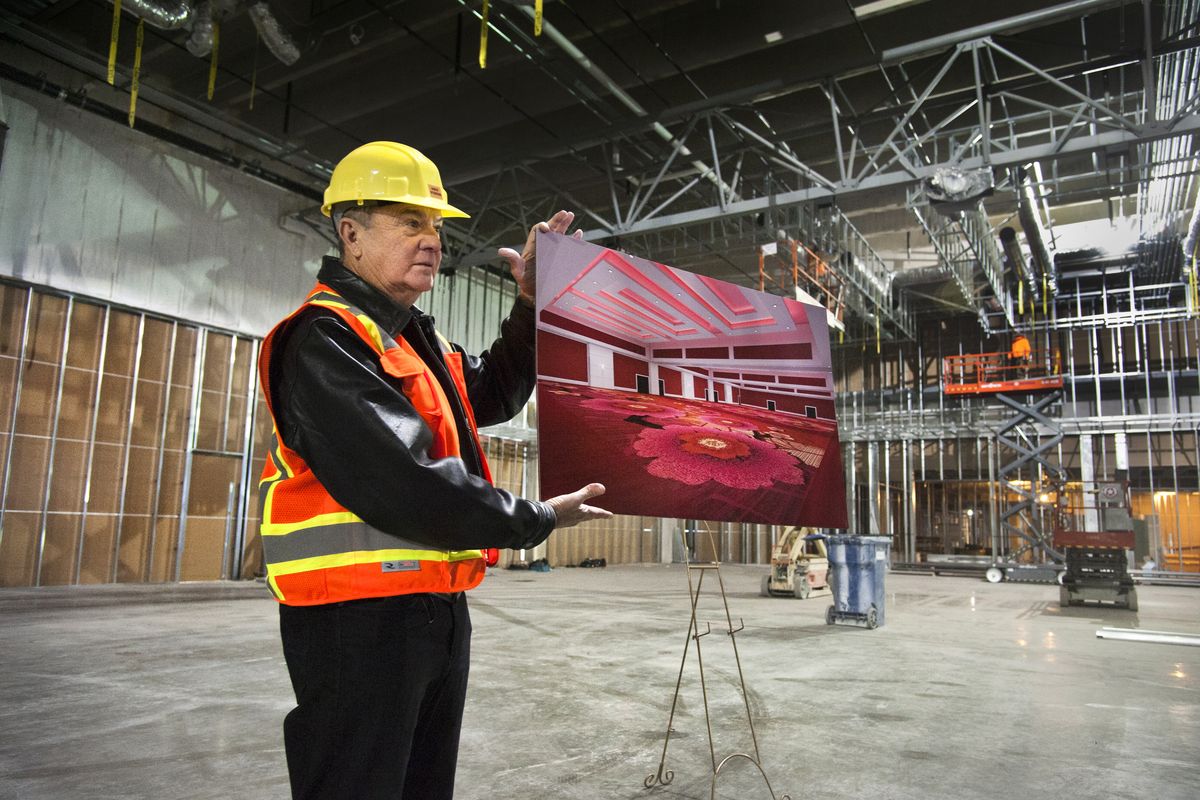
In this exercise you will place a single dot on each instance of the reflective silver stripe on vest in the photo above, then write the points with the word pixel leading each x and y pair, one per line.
pixel 328 540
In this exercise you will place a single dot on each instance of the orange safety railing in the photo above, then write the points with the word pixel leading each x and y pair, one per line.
pixel 811 273
pixel 981 373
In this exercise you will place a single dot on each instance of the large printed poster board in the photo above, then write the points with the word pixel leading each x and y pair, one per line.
pixel 686 396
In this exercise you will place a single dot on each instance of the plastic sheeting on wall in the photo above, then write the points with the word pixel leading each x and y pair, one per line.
pixel 91 207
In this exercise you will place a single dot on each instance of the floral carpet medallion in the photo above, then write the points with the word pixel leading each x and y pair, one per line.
pixel 693 456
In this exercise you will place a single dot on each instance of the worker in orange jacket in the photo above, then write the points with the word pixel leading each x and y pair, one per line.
pixel 376 496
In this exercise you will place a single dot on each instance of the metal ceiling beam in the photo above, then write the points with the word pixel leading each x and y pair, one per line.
pixel 1043 16
pixel 1084 144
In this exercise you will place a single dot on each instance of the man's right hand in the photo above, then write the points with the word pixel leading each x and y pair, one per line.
pixel 572 509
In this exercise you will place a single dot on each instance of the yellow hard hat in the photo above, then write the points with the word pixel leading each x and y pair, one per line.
pixel 388 172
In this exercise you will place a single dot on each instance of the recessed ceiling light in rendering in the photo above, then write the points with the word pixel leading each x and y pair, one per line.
pixel 773 37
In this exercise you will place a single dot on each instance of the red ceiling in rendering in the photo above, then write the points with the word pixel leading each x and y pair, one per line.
pixel 615 296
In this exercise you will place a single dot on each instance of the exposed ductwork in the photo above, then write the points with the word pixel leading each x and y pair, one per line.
pixel 915 276
pixel 1012 250
pixel 1031 224
pixel 952 189
pixel 165 14
pixel 1191 242
pixel 200 42
pixel 274 37
pixel 198 18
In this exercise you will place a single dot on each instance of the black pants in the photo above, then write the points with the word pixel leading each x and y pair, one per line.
pixel 379 689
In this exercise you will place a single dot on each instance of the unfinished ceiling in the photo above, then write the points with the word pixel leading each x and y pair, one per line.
pixel 694 131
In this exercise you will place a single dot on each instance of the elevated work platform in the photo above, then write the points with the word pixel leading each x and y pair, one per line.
pixel 993 373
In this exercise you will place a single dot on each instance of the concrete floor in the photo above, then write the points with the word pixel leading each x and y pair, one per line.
pixel 970 690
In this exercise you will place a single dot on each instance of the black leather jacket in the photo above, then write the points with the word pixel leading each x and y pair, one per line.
pixel 368 446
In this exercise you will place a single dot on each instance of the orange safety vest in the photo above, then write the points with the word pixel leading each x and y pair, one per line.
pixel 317 551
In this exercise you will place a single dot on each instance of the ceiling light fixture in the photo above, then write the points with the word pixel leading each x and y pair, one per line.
pixel 773 37
pixel 881 7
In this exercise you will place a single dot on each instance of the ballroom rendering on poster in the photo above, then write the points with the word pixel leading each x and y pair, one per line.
pixel 686 396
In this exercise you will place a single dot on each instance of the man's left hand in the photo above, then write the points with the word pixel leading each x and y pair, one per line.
pixel 522 265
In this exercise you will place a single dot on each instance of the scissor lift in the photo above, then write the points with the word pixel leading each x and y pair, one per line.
pixel 1097 564
pixel 1030 435
pixel 996 373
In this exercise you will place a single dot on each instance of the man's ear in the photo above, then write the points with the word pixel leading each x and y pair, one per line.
pixel 348 231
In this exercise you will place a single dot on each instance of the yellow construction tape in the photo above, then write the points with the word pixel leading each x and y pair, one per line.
pixel 212 67
pixel 1195 289
pixel 483 25
pixel 112 44
pixel 537 18
pixel 137 68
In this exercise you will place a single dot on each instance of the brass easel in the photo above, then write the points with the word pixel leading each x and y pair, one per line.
pixel 664 776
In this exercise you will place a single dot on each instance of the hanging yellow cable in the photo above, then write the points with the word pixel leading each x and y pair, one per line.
pixel 537 18
pixel 878 342
pixel 483 25
pixel 1020 297
pixel 1192 295
pixel 254 71
pixel 112 44
pixel 137 69
pixel 1045 294
pixel 841 336
pixel 212 67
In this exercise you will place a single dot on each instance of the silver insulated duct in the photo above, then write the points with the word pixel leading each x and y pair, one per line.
pixel 200 42
pixel 1012 249
pixel 1031 224
pixel 273 35
pixel 164 14
pixel 1191 242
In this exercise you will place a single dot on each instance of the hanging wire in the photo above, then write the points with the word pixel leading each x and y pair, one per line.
pixel 483 31
pixel 137 69
pixel 212 69
pixel 112 45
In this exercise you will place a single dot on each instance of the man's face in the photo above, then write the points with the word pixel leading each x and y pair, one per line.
pixel 398 251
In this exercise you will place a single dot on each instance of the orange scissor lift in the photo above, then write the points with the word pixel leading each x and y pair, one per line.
pixel 992 373
pixel 1012 377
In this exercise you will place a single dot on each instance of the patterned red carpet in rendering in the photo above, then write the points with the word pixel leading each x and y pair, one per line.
pixel 690 459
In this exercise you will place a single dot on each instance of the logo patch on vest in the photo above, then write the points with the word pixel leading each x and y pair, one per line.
pixel 400 566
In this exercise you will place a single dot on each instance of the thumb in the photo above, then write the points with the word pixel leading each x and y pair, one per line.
pixel 511 256
pixel 590 491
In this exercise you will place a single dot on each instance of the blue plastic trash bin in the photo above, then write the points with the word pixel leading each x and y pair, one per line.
pixel 857 565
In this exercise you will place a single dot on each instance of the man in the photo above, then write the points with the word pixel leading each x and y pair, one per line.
pixel 376 495
pixel 1021 349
